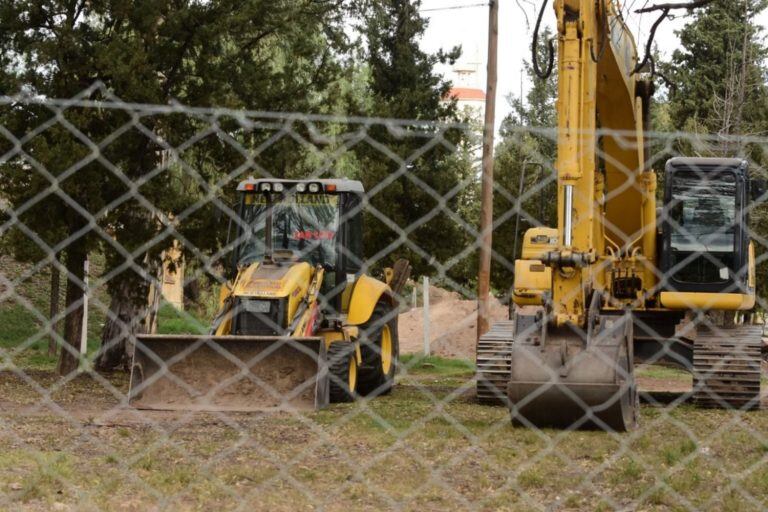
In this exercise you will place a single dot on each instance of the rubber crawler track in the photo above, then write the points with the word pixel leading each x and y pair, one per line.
pixel 493 363
pixel 726 365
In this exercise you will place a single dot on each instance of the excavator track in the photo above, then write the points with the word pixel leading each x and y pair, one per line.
pixel 493 363
pixel 726 368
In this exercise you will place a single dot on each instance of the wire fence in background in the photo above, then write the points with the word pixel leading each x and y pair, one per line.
pixel 168 205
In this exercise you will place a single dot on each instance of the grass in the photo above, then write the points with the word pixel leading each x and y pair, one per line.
pixel 434 370
pixel 23 342
pixel 421 448
pixel 172 321
pixel 662 373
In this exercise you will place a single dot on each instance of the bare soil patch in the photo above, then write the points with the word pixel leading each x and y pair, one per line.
pixel 453 325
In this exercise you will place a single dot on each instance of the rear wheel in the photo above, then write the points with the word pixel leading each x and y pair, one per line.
pixel 342 365
pixel 380 350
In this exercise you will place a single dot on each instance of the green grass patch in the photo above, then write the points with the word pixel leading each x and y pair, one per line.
pixel 172 321
pixel 662 372
pixel 433 365
pixel 19 325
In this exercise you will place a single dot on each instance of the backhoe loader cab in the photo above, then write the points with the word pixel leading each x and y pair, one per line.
pixel 705 238
pixel 300 323
pixel 282 222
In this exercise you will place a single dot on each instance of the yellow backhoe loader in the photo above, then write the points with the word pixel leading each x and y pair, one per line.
pixel 299 325
pixel 610 285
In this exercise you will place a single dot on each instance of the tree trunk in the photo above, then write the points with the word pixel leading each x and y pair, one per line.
pixel 54 310
pixel 73 322
pixel 127 317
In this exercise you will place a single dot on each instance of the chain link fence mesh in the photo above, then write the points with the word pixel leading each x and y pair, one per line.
pixel 146 194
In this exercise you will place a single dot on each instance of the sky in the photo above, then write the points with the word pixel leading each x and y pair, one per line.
pixel 450 26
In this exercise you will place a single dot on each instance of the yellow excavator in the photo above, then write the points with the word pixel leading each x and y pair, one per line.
pixel 617 282
pixel 300 324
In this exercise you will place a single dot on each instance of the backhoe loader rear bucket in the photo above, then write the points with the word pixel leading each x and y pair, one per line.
pixel 228 373
pixel 567 379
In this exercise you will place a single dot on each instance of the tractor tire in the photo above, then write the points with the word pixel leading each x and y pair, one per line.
pixel 380 350
pixel 342 366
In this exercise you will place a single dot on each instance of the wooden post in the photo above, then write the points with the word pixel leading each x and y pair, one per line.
pixel 425 311
pixel 486 215
pixel 84 333
pixel 53 342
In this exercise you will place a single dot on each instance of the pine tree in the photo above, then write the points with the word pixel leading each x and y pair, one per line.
pixel 404 85
pixel 719 71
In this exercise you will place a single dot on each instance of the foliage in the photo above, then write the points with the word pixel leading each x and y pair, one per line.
pixel 256 54
pixel 404 85
pixel 719 71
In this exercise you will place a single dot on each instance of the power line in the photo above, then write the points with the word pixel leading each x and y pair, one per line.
pixel 455 7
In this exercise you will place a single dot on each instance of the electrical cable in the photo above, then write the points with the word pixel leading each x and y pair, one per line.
pixel 546 73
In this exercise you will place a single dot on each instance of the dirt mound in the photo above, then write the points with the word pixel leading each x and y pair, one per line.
pixel 440 295
pixel 453 325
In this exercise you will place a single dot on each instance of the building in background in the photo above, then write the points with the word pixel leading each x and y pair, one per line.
pixel 468 90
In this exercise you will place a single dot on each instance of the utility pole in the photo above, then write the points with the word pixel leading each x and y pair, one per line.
pixel 486 215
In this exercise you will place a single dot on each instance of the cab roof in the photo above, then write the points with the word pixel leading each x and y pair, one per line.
pixel 707 164
pixel 342 185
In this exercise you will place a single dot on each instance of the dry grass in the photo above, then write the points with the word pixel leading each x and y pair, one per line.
pixel 425 447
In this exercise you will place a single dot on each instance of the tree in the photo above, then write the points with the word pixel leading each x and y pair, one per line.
pixel 404 85
pixel 719 71
pixel 256 54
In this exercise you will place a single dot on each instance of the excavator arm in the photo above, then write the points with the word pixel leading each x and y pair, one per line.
pixel 571 360
pixel 606 199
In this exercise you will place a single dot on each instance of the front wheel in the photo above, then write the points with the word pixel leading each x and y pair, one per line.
pixel 342 365
pixel 380 349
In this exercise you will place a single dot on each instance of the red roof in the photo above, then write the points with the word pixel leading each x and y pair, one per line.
pixel 466 94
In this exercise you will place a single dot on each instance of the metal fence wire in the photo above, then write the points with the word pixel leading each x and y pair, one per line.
pixel 208 309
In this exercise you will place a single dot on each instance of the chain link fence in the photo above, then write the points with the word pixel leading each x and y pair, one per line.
pixel 129 217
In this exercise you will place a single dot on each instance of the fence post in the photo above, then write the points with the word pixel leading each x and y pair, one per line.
pixel 425 300
pixel 84 334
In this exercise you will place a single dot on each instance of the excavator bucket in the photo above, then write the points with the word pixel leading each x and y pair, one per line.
pixel 565 378
pixel 228 373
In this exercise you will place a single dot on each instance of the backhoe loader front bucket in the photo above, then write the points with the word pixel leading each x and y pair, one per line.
pixel 565 378
pixel 228 373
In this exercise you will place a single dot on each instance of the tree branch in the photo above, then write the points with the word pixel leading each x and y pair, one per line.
pixel 674 5
pixel 664 8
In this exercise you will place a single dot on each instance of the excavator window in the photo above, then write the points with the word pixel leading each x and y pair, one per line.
pixel 703 220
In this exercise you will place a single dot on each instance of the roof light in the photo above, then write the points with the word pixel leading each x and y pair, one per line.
pixel 301 187
pixel 314 188
pixel 250 187
pixel 266 187
pixel 278 187
pixel 330 188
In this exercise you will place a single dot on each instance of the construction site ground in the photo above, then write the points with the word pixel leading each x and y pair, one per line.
pixel 427 446
pixel 75 445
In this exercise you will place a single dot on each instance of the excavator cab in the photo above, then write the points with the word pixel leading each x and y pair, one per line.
pixel 706 253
